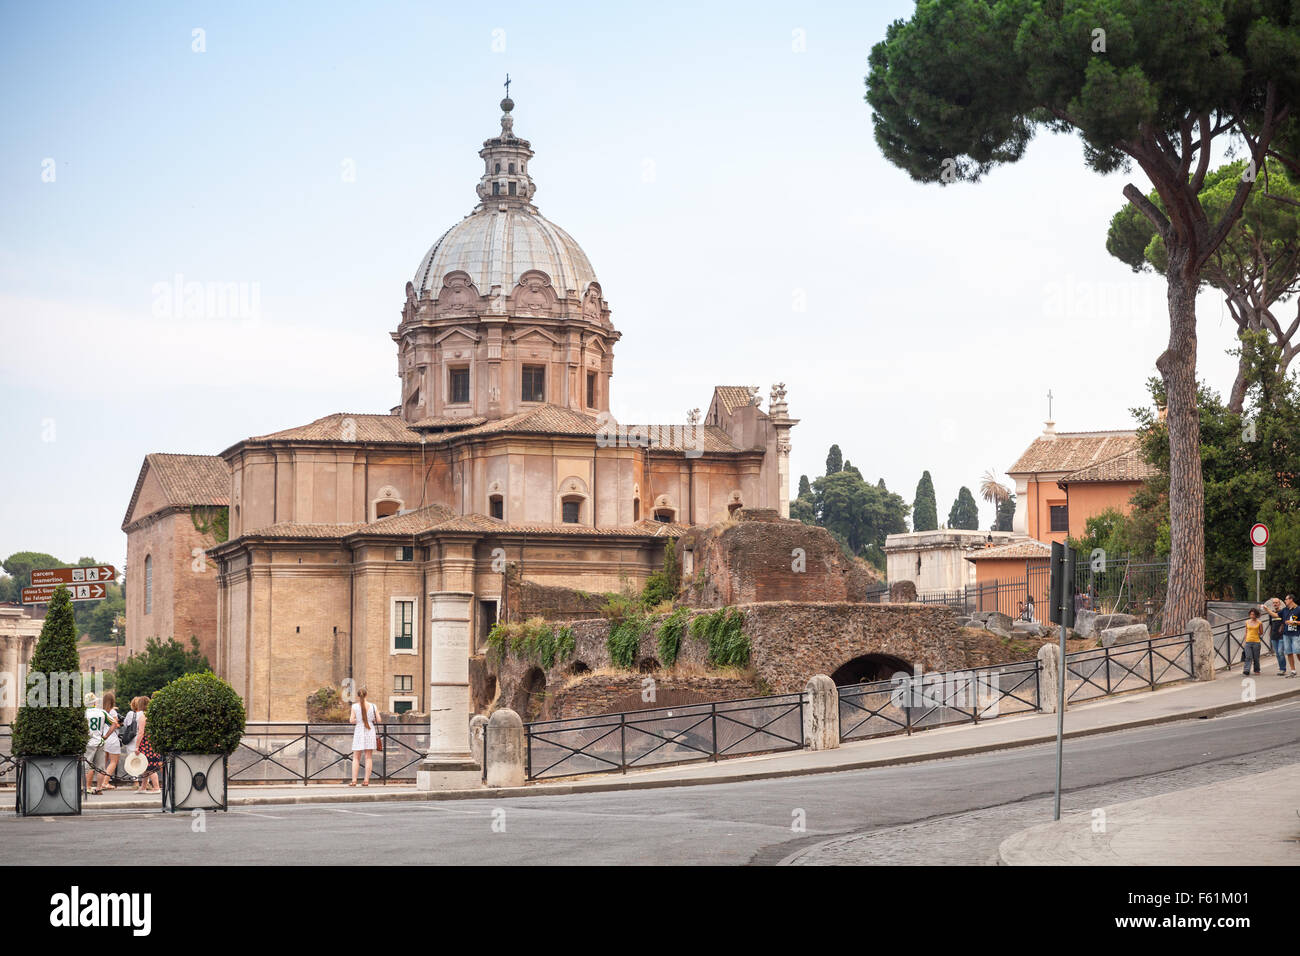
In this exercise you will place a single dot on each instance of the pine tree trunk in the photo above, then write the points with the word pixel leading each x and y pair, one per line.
pixel 1185 597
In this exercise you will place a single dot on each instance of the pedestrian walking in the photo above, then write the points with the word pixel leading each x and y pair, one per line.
pixel 1276 639
pixel 1250 648
pixel 365 721
pixel 130 737
pixel 112 744
pixel 154 764
pixel 1290 615
pixel 97 723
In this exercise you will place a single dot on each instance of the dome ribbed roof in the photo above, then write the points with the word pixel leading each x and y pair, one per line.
pixel 498 244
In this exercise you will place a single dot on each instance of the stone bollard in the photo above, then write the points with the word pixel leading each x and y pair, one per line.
pixel 821 716
pixel 477 724
pixel 504 750
pixel 1202 649
pixel 1049 676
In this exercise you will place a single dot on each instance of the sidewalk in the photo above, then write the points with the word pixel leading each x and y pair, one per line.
pixel 1190 827
pixel 1173 702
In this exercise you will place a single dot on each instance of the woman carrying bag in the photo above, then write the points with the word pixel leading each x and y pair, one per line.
pixel 365 721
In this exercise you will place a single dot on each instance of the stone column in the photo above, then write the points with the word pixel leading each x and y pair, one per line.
pixel 821 715
pixel 12 691
pixel 1049 671
pixel 448 764
pixel 504 750
pixel 778 413
pixel 1202 648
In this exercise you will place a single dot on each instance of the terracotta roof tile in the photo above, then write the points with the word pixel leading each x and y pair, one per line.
pixel 345 426
pixel 733 396
pixel 442 424
pixel 1127 466
pixel 679 437
pixel 1072 451
pixel 185 480
pixel 1020 549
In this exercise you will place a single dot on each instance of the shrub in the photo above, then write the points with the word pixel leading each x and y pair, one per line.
pixel 144 674
pixel 534 640
pixel 663 584
pixel 327 706
pixel 670 636
pixel 46 731
pixel 625 639
pixel 723 629
pixel 197 713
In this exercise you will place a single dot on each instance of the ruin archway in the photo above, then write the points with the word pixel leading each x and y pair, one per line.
pixel 869 667
pixel 530 698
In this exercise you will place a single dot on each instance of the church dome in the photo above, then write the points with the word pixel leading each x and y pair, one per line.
pixel 505 236
pixel 497 243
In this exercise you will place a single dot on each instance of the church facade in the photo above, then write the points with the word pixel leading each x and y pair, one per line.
pixel 374 547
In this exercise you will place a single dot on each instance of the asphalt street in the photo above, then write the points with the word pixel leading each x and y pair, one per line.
pixel 951 811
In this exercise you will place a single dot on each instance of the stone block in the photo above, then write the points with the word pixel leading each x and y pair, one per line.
pixel 477 724
pixel 1114 620
pixel 1085 623
pixel 902 592
pixel 1123 635
pixel 1049 675
pixel 504 750
pixel 821 717
pixel 997 621
pixel 1202 648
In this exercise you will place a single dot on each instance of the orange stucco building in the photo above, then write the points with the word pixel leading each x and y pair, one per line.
pixel 1065 478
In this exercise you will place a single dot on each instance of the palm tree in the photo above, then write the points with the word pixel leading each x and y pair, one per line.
pixel 992 490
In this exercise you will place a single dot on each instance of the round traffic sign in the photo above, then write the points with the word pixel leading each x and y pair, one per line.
pixel 1259 535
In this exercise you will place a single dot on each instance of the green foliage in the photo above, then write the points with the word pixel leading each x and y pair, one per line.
pixel 834 460
pixel 197 713
pixel 670 635
pixel 47 730
pixel 965 513
pixel 535 641
pixel 625 639
pixel 327 706
pixel 663 584
pixel 723 629
pixel 1006 514
pixel 145 673
pixel 805 488
pixel 213 520
pixel 858 513
pixel 925 509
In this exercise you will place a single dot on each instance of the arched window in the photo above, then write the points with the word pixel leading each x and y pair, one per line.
pixel 148 584
pixel 664 515
pixel 386 509
pixel 636 509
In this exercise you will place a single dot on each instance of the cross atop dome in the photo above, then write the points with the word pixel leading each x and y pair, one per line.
pixel 505 162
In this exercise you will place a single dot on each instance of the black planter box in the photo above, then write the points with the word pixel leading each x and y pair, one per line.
pixel 49 786
pixel 194 782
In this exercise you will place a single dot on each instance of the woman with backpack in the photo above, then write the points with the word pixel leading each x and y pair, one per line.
pixel 112 744
pixel 365 720
pixel 130 737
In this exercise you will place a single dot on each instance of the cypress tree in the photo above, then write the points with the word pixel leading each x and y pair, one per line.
pixel 1006 514
pixel 834 460
pixel 925 509
pixel 805 489
pixel 40 728
pixel 965 513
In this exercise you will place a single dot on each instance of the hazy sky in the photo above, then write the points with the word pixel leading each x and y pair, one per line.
pixel 716 165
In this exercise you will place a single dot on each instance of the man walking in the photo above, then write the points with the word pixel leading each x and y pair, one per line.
pixel 1291 633
pixel 1273 606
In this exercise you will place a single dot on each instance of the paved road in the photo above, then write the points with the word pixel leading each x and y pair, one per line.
pixel 947 811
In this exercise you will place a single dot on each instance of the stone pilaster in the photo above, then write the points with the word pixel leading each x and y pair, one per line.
pixel 449 764
pixel 778 414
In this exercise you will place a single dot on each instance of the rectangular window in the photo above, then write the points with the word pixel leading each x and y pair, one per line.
pixel 496 189
pixel 405 553
pixel 402 706
pixel 498 507
pixel 512 188
pixel 591 389
pixel 458 393
pixel 403 683
pixel 534 384
pixel 572 509
pixel 1060 518
pixel 403 625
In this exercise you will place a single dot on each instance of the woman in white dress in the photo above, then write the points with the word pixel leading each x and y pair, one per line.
pixel 365 721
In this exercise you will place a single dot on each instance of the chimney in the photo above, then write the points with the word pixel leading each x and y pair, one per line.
pixel 1049 432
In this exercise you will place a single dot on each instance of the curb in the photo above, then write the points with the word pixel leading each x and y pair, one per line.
pixel 741 776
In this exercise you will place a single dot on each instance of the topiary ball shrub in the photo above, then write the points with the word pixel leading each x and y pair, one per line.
pixel 52 721
pixel 197 714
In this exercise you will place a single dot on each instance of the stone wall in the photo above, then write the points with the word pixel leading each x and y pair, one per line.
pixel 525 599
pixel 766 558
pixel 584 695
pixel 790 643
